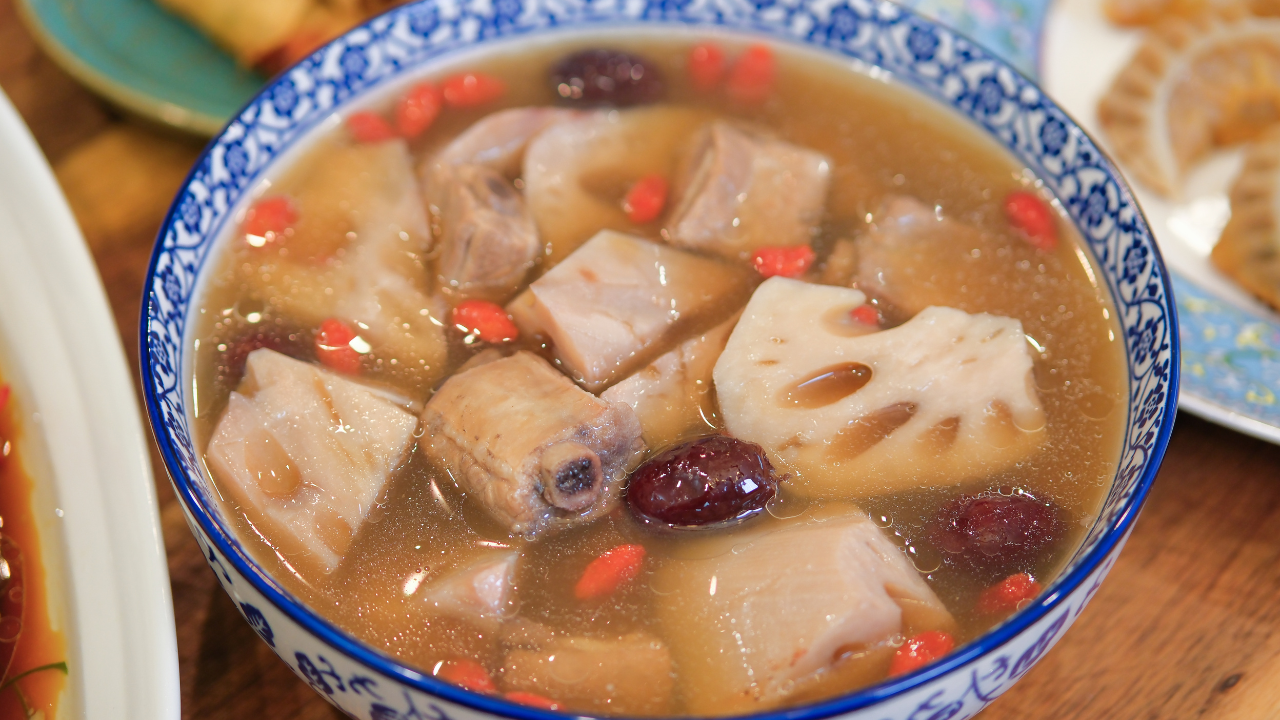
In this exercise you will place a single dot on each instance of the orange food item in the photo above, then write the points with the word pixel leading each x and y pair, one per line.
pixel 866 315
pixel 333 347
pixel 369 127
pixel 467 674
pixel 752 77
pixel 488 321
pixel 1030 214
pixel 1007 595
pixel 646 199
pixel 785 261
pixel 920 650
pixel 532 700
pixel 418 109
pixel 472 89
pixel 269 219
pixel 706 66
pixel 610 571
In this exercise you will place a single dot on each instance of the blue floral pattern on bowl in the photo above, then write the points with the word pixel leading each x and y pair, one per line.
pixel 917 52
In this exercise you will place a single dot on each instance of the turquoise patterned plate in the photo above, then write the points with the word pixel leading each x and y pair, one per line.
pixel 1230 341
pixel 144 59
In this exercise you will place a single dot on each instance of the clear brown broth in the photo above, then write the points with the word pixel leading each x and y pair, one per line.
pixel 883 140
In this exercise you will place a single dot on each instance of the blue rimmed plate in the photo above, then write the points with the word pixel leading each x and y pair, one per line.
pixel 1230 341
pixel 902 47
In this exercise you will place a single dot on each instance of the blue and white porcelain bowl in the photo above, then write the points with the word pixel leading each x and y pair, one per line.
pixel 879 37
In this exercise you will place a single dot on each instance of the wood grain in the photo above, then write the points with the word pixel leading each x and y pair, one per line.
pixel 1186 626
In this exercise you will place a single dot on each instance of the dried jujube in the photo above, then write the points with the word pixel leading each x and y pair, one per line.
pixel 994 533
pixel 606 77
pixel 703 482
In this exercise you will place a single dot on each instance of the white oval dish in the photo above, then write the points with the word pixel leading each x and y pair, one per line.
pixel 95 498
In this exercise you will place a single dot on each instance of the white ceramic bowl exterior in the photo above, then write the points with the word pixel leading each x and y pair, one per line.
pixel 879 38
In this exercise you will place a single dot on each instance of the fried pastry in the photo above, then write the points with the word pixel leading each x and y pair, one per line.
pixel 1249 248
pixel 1194 85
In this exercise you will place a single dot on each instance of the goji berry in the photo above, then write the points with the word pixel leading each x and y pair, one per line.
pixel 920 650
pixel 866 314
pixel 486 320
pixel 608 572
pixel 532 700
pixel 1027 212
pixel 645 199
pixel 467 674
pixel 1007 595
pixel 369 127
pixel 417 110
pixel 333 347
pixel 706 66
pixel 471 89
pixel 752 76
pixel 785 261
pixel 269 219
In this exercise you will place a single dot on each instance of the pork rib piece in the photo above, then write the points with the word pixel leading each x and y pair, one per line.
pixel 304 453
pixel 629 675
pixel 536 450
pixel 744 191
pixel 613 304
pixel 748 627
pixel 487 237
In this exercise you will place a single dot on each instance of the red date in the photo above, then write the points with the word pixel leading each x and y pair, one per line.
pixel 712 480
pixel 994 534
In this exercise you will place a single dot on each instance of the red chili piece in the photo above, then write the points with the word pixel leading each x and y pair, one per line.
pixel 467 674
pixel 369 127
pixel 866 314
pixel 333 347
pixel 785 261
pixel 1007 595
pixel 532 700
pixel 706 66
pixel 645 199
pixel 417 110
pixel 486 320
pixel 268 219
pixel 1030 214
pixel 471 89
pixel 752 77
pixel 920 650
pixel 608 572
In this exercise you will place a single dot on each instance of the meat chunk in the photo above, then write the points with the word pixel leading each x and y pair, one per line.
pixel 751 626
pixel 577 171
pixel 913 259
pixel 743 191
pixel 612 305
pixel 630 675
pixel 361 216
pixel 855 411
pixel 488 241
pixel 535 450
pixel 672 395
pixel 482 593
pixel 304 453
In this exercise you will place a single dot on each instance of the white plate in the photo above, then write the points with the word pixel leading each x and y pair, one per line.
pixel 95 500
pixel 1230 341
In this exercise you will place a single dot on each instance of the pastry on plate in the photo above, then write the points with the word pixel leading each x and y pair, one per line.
pixel 1249 248
pixel 1194 85
pixel 272 34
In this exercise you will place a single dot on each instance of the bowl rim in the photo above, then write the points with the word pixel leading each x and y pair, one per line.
pixel 1082 564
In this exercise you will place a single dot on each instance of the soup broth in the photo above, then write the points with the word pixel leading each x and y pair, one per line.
pixel 895 163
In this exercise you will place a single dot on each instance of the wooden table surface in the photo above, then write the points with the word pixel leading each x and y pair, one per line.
pixel 1187 624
